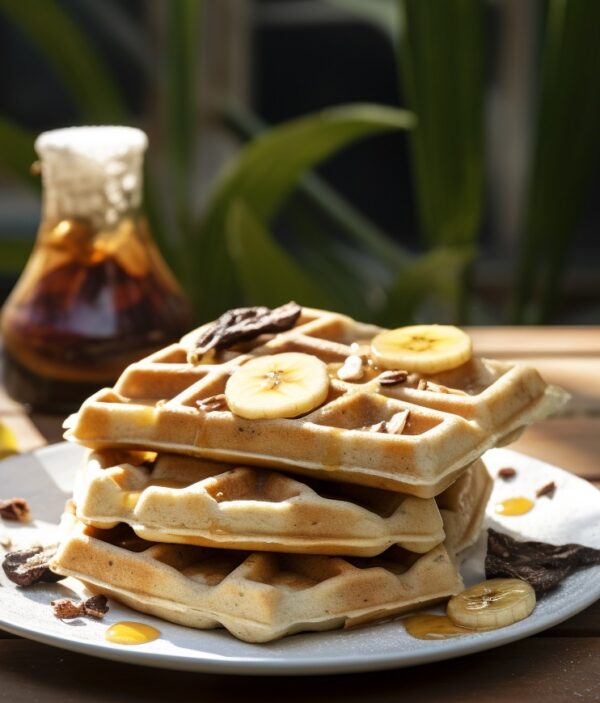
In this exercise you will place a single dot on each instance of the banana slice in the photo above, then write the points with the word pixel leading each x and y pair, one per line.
pixel 422 348
pixel 280 385
pixel 8 441
pixel 492 604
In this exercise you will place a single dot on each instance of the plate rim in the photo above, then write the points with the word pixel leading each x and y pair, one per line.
pixel 204 662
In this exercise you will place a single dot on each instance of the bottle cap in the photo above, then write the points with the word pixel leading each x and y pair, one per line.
pixel 93 173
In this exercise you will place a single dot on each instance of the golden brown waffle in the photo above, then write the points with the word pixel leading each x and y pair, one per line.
pixel 257 596
pixel 463 505
pixel 180 499
pixel 162 403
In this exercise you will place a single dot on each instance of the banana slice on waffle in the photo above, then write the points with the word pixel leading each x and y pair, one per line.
pixel 277 385
pixel 422 348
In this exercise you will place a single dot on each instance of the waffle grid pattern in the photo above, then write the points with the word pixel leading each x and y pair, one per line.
pixel 155 405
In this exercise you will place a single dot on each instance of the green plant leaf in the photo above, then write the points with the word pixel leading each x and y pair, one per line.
pixel 567 149
pixel 267 273
pixel 16 147
pixel 265 173
pixel 435 274
pixel 14 254
pixel 180 103
pixel 69 52
pixel 441 59
pixel 316 193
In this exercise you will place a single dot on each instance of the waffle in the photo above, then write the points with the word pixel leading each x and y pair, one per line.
pixel 257 596
pixel 171 498
pixel 462 507
pixel 160 403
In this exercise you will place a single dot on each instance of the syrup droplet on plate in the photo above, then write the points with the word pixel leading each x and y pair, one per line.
pixel 514 506
pixel 131 633
pixel 433 627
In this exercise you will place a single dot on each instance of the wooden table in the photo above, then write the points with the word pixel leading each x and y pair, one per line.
pixel 561 664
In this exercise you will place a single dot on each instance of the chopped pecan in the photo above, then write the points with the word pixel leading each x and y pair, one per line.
pixel 213 403
pixel 392 378
pixel 66 609
pixel 28 566
pixel 547 490
pixel 243 324
pixel 15 509
pixel 543 565
pixel 506 473
pixel 94 607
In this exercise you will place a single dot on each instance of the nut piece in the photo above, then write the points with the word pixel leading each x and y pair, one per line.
pixel 15 509
pixel 28 566
pixel 352 370
pixel 94 607
pixel 392 378
pixel 395 425
pixel 212 404
pixel 6 543
pixel 547 490
pixel 437 388
pixel 377 427
pixel 507 473
pixel 397 422
pixel 66 609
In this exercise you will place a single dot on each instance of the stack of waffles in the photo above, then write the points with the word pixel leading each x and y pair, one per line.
pixel 279 479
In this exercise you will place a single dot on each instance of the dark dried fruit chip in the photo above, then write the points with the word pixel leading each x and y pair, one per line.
pixel 547 490
pixel 15 509
pixel 243 324
pixel 542 565
pixel 507 473
pixel 28 566
pixel 94 607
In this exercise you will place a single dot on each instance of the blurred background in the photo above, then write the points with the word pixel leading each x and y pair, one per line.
pixel 397 160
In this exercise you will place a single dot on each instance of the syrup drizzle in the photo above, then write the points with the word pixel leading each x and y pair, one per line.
pixel 514 506
pixel 434 627
pixel 127 632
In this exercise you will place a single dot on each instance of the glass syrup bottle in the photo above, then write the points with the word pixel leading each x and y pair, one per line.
pixel 95 294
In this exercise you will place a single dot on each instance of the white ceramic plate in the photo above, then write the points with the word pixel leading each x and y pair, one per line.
pixel 45 478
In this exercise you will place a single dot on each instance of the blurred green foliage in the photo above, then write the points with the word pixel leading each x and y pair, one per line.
pixel 230 255
pixel 566 152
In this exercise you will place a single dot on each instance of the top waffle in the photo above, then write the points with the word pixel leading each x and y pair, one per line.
pixel 164 402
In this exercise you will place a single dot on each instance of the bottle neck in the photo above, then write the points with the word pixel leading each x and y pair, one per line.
pixel 92 174
pixel 94 195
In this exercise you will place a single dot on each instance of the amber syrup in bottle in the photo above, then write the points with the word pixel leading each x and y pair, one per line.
pixel 95 294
